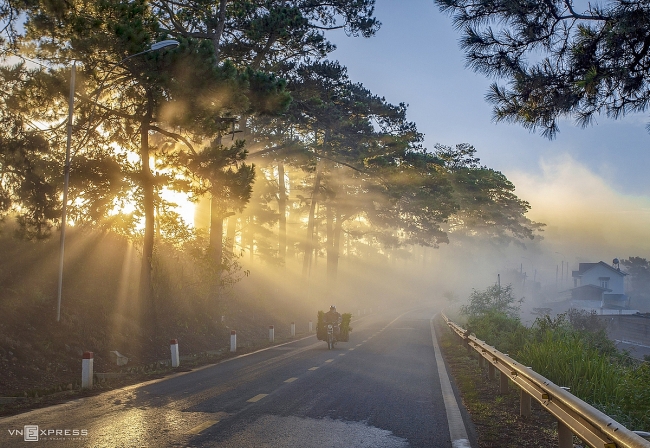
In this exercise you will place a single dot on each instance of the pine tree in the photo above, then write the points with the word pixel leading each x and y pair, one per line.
pixel 558 61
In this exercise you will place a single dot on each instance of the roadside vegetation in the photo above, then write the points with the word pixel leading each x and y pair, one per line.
pixel 572 350
pixel 495 416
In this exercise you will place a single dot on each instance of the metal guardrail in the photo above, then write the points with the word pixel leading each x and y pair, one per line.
pixel 574 416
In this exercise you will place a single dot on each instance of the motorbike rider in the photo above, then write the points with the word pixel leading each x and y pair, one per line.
pixel 333 317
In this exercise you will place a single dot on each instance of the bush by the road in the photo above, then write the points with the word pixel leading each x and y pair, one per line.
pixel 572 350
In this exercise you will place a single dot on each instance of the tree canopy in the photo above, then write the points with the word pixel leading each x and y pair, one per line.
pixel 248 82
pixel 559 58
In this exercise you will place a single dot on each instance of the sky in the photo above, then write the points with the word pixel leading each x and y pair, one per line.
pixel 591 186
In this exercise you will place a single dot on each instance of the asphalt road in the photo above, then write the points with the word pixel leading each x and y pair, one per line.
pixel 380 389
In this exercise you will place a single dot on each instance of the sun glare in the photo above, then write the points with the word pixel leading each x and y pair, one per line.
pixel 183 206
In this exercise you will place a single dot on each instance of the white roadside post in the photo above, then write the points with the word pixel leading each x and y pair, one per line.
pixel 87 371
pixel 233 341
pixel 173 345
pixel 271 333
pixel 293 329
pixel 311 326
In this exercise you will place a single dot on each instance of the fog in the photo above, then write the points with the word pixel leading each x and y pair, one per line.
pixel 586 221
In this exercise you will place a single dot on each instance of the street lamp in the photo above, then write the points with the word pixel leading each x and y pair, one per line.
pixel 170 43
pixel 567 269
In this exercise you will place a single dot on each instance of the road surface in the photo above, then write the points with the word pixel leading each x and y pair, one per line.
pixel 383 388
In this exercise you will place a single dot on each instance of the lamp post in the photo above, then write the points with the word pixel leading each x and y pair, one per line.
pixel 170 43
pixel 567 269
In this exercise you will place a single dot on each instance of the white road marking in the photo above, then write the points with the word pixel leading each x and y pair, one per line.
pixel 457 430
pixel 203 426
pixel 256 398
pixel 313 368
pixel 290 380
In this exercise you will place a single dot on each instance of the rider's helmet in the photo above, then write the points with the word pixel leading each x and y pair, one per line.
pixel 332 308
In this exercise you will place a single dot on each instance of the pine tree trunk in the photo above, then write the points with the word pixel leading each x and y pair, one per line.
pixel 216 230
pixel 146 293
pixel 216 36
pixel 333 256
pixel 282 209
pixel 230 234
pixel 329 245
pixel 309 241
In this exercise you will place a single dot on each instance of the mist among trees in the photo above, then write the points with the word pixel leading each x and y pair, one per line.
pixel 292 165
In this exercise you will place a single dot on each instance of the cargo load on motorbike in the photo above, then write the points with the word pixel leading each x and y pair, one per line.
pixel 344 327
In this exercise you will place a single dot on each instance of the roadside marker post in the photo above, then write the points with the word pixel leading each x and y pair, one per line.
pixel 311 326
pixel 87 371
pixel 271 333
pixel 293 329
pixel 173 345
pixel 233 341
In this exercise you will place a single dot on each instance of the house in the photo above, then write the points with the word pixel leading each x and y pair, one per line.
pixel 599 285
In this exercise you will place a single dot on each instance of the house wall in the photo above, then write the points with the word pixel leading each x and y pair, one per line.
pixel 629 328
pixel 592 277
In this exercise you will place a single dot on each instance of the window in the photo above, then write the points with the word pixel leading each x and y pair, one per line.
pixel 604 282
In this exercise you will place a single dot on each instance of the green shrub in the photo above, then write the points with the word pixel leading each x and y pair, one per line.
pixel 571 350
pixel 504 332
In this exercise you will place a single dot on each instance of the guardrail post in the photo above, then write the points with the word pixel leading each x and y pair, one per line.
pixel 564 436
pixel 481 361
pixel 491 371
pixel 173 345
pixel 503 383
pixel 233 341
pixel 524 404
pixel 271 333
pixel 87 371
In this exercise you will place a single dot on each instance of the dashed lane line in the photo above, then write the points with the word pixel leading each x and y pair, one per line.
pixel 256 398
pixel 313 368
pixel 290 380
pixel 330 360
pixel 203 426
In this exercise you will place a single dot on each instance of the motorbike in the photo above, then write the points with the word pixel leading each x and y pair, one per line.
pixel 333 331
pixel 331 336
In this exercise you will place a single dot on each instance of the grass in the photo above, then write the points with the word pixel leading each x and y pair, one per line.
pixel 573 351
pixel 495 416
